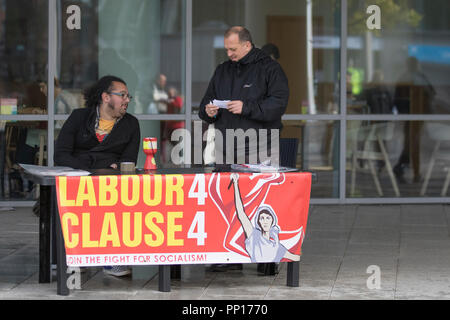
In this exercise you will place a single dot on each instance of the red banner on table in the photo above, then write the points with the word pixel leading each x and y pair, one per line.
pixel 183 219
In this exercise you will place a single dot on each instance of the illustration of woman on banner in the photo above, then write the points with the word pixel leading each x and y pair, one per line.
pixel 261 241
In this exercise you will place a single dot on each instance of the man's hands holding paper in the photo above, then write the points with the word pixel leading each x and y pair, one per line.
pixel 211 110
pixel 234 106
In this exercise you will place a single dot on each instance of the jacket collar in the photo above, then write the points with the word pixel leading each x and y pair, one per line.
pixel 253 55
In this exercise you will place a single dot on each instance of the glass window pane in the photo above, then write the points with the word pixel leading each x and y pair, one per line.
pixel 371 154
pixel 318 151
pixel 140 41
pixel 210 19
pixel 20 142
pixel 284 24
pixel 23 56
pixel 434 155
pixel 398 158
pixel 403 67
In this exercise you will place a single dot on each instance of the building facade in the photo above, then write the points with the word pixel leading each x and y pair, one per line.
pixel 369 83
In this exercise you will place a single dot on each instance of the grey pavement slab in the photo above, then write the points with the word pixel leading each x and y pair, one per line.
pixel 409 244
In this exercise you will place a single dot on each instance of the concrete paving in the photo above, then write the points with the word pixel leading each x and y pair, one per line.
pixel 381 252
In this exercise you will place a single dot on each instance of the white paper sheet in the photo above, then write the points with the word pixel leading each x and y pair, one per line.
pixel 220 103
pixel 260 168
pixel 53 171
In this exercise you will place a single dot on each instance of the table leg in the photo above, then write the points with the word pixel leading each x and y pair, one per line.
pixel 61 268
pixel 175 271
pixel 164 278
pixel 45 213
pixel 293 269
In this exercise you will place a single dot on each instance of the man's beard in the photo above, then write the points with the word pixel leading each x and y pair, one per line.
pixel 116 113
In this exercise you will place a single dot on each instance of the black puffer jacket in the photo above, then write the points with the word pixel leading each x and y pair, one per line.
pixel 259 82
pixel 77 145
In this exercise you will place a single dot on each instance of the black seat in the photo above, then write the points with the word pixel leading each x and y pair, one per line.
pixel 288 152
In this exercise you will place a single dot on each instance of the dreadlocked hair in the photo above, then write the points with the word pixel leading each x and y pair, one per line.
pixel 93 94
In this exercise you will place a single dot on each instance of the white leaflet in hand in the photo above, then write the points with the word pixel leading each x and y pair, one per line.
pixel 220 103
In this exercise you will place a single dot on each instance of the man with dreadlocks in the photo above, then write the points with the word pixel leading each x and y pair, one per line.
pixel 103 134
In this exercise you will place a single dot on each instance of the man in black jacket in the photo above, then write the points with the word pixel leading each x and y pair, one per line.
pixel 257 89
pixel 103 134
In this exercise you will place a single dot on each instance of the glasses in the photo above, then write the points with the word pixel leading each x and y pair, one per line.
pixel 123 95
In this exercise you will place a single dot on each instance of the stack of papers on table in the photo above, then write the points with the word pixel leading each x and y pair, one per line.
pixel 53 171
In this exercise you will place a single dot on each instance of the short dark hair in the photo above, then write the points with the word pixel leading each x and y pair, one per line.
pixel 271 49
pixel 93 94
pixel 243 33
